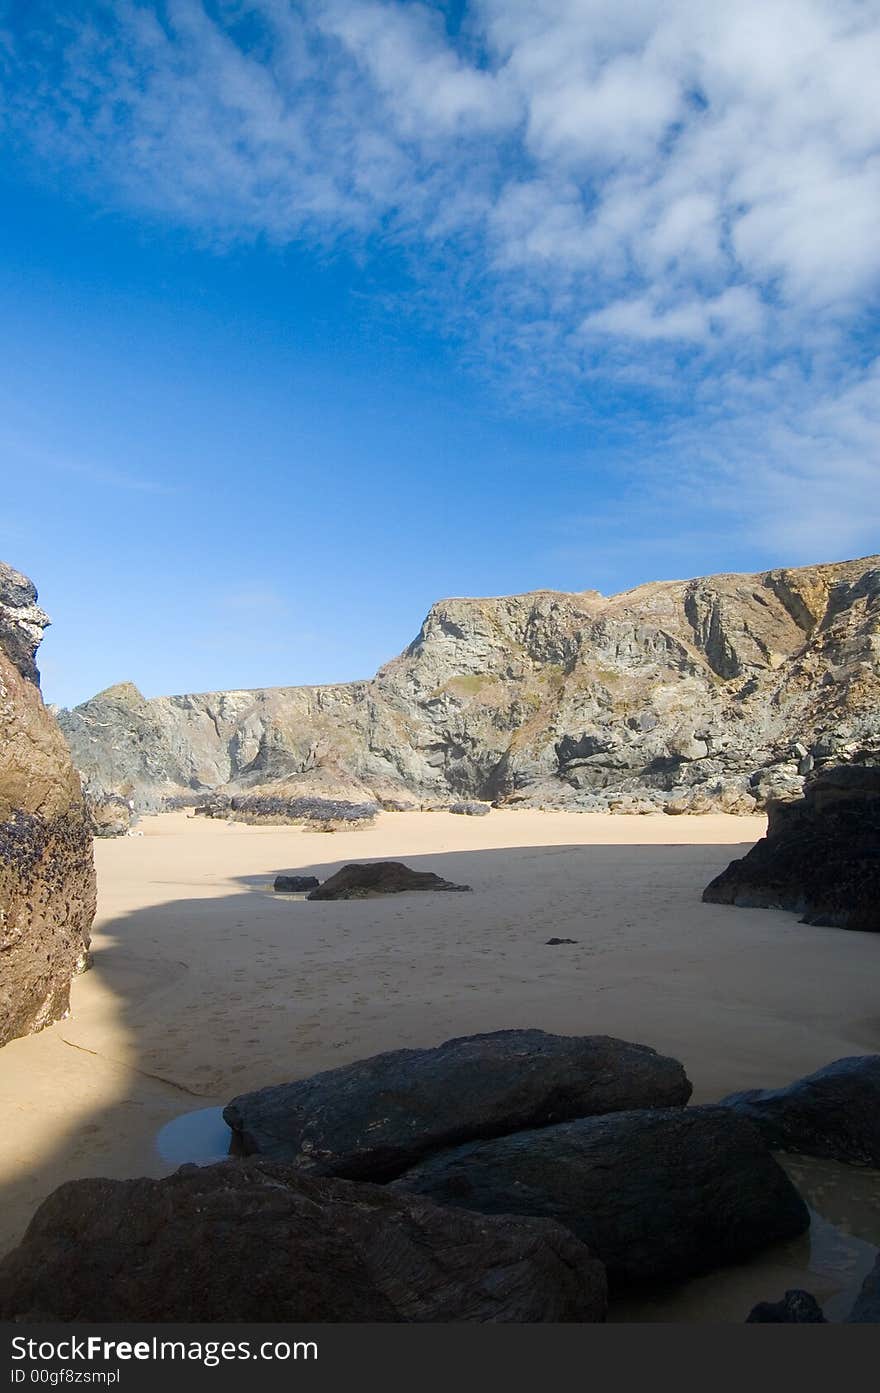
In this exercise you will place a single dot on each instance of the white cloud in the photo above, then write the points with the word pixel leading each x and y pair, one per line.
pixel 794 471
pixel 736 310
pixel 430 92
pixel 663 140
pixel 603 183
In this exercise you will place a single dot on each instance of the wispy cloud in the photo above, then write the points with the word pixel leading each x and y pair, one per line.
pixel 662 200
pixel 17 451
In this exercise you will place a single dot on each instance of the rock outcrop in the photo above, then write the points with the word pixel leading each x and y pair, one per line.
pixel 358 881
pixel 375 1118
pixel 796 1308
pixel 255 1241
pixel 821 854
pixel 110 815
pixel 866 1310
pixel 295 884
pixel 802 1308
pixel 47 875
pixel 22 623
pixel 834 1112
pixel 707 694
pixel 657 1196
pixel 277 805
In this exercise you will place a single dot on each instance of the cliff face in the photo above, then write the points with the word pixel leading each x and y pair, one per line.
pixel 683 694
pixel 47 876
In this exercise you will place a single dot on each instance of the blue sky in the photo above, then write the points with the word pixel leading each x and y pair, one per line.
pixel 314 313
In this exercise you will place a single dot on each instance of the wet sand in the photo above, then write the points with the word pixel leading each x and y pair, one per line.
pixel 206 983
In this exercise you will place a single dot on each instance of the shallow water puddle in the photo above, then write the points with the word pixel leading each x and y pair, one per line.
pixel 845 1232
pixel 200 1137
pixel 830 1260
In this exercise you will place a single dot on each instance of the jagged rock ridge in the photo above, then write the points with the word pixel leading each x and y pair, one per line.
pixel 690 695
pixel 47 875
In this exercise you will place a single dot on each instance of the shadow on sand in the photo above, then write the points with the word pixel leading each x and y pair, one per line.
pixel 194 999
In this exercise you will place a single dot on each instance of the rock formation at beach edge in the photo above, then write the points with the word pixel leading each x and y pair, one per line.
pixel 47 874
pixel 713 694
pixel 819 857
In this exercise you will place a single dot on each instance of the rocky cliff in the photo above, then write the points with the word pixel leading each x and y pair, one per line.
pixel 47 875
pixel 687 695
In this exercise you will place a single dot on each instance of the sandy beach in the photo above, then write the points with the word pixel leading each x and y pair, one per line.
pixel 206 983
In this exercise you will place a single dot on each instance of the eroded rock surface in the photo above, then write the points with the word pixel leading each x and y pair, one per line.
pixel 374 1118
pixel 110 814
pixel 657 1196
pixel 22 623
pixel 834 1112
pixel 255 1241
pixel 47 875
pixel 821 855
pixel 700 695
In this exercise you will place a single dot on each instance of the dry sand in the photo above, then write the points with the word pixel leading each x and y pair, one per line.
pixel 205 983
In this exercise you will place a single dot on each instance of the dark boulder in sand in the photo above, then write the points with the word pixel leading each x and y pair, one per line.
pixel 292 883
pixel 360 881
pixel 375 1118
pixel 866 1311
pixel 657 1196
pixel 834 1112
pixel 470 809
pixel 275 807
pixel 820 857
pixel 796 1308
pixel 256 1241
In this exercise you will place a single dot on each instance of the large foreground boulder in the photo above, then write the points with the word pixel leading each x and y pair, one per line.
pixel 255 1241
pixel 834 1112
pixel 656 1195
pixel 47 873
pixel 361 881
pixel 375 1118
pixel 820 857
